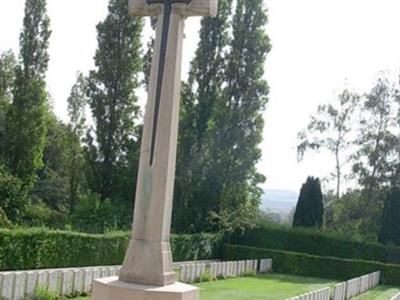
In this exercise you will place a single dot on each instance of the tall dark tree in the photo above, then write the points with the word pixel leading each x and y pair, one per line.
pixel 390 228
pixel 309 209
pixel 7 77
pixel 235 129
pixel 27 115
pixel 222 122
pixel 199 96
pixel 77 102
pixel 113 103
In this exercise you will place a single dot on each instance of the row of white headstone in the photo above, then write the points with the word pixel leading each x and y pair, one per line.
pixel 17 285
pixel 322 294
pixel 76 281
pixel 397 297
pixel 356 286
pixel 190 273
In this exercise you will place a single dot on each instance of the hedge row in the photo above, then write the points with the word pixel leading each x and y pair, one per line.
pixel 315 266
pixel 316 243
pixel 23 249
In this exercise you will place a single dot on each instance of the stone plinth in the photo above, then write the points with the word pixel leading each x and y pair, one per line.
pixel 111 288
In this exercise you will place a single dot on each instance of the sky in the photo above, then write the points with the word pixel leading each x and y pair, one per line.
pixel 319 47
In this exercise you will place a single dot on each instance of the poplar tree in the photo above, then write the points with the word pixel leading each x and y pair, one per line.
pixel 221 122
pixel 309 209
pixel 7 77
pixel 113 103
pixel 237 123
pixel 26 124
pixel 198 100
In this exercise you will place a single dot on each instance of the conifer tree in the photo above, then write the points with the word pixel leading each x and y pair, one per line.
pixel 113 103
pixel 390 228
pixel 26 124
pixel 309 209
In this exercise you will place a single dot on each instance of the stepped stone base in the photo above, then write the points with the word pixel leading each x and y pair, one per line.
pixel 111 288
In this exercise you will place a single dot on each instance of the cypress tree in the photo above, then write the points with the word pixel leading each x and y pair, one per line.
pixel 309 209
pixel 113 103
pixel 390 228
pixel 26 124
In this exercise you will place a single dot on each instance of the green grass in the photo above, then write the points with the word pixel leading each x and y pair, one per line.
pixel 383 292
pixel 267 287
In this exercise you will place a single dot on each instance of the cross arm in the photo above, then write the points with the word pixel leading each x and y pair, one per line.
pixel 194 8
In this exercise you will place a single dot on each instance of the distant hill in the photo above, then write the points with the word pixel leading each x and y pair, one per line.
pixel 279 201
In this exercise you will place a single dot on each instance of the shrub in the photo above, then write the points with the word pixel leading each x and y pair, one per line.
pixel 316 266
pixel 316 242
pixel 44 294
pixel 22 249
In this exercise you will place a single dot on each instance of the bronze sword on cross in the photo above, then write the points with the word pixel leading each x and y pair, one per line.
pixel 163 52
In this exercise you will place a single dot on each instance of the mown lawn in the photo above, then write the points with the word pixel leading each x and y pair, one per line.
pixel 268 287
pixel 382 292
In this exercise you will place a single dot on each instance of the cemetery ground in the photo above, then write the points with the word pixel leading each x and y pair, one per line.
pixel 274 287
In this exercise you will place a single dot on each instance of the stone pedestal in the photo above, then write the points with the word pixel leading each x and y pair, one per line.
pixel 111 288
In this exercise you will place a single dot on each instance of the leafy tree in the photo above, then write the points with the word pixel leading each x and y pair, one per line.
pixel 7 77
pixel 390 229
pixel 235 127
pixel 199 96
pixel 114 105
pixel 330 130
pixel 377 157
pixel 26 123
pixel 77 102
pixel 309 209
pixel 12 197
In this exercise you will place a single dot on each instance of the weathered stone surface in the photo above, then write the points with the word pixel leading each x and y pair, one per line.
pixel 87 286
pixel 20 285
pixel 43 279
pixel 8 285
pixel 79 278
pixel 67 282
pixel 55 281
pixel 31 282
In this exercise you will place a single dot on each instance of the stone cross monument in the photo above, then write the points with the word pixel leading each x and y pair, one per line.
pixel 147 271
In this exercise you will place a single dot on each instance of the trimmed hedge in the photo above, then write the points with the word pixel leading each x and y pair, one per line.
pixel 25 249
pixel 316 266
pixel 316 243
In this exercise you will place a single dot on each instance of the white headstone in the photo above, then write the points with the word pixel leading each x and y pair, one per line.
pixel 20 285
pixel 8 285
pixel 67 282
pixel 79 276
pixel 55 281
pixel 88 280
pixel 31 282
pixel 43 279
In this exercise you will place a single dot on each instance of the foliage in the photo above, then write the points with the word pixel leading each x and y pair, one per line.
pixel 113 103
pixel 390 229
pixel 41 293
pixel 12 196
pixel 4 221
pixel 309 209
pixel 330 130
pixel 94 216
pixel 39 214
pixel 27 115
pixel 316 242
pixel 7 77
pixel 221 125
pixel 33 248
pixel 318 266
